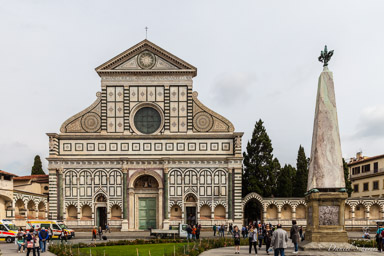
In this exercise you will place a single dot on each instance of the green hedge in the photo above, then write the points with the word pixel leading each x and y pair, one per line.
pixel 192 248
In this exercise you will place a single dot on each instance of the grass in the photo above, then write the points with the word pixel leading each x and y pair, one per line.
pixel 130 250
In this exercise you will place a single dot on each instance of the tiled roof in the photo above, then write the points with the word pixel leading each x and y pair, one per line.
pixel 7 173
pixel 34 177
pixel 366 159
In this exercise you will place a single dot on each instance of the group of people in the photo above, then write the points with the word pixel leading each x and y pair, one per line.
pixel 271 236
pixel 33 240
pixel 193 231
pixel 99 232
pixel 220 229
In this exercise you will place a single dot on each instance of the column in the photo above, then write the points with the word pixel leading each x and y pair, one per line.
pixel 53 193
pixel 230 195
pixel 60 195
pixel 165 200
pixel 131 213
pixel 124 223
pixel 238 211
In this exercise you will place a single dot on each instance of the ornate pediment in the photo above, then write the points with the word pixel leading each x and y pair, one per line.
pixel 146 58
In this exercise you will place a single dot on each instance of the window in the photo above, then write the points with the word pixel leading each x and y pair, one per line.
pixel 55 227
pixel 365 168
pixel 356 188
pixel 365 187
pixel 376 185
pixel 356 170
pixel 147 120
pixel 3 228
pixel 375 167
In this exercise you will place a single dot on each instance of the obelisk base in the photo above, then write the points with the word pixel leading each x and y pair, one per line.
pixel 325 221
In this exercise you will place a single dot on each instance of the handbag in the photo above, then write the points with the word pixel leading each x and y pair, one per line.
pixel 29 244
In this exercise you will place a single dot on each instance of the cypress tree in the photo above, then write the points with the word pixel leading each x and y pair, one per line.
pixel 37 167
pixel 301 179
pixel 285 181
pixel 348 183
pixel 260 168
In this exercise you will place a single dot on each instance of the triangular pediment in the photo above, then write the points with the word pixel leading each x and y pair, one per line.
pixel 146 57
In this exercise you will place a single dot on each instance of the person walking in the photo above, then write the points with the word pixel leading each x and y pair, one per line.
pixel 301 233
pixel 214 229
pixel 267 233
pixel 252 240
pixel 222 230
pixel 279 240
pixel 379 238
pixel 260 236
pixel 36 243
pixel 50 234
pixel 236 238
pixel 43 237
pixel 295 236
pixel 100 232
pixel 63 236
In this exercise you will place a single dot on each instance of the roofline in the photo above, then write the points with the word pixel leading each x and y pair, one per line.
pixel 365 160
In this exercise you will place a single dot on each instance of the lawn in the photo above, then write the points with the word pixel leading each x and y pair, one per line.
pixel 125 250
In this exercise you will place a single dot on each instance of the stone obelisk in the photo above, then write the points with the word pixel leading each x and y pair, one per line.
pixel 326 185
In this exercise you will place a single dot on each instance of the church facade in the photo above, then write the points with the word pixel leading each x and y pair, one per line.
pixel 147 153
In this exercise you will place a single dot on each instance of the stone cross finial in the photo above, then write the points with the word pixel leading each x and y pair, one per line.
pixel 325 56
pixel 146 32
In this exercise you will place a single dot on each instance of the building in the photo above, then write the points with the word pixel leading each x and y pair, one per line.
pixel 367 176
pixel 24 197
pixel 147 153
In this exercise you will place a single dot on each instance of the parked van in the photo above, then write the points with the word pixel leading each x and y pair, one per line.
pixel 8 231
pixel 56 226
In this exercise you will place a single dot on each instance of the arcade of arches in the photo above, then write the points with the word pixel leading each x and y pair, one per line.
pixel 358 211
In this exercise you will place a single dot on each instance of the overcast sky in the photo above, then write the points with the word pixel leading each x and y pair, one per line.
pixel 255 59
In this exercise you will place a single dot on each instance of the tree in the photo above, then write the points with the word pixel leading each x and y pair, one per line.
pixel 260 168
pixel 37 167
pixel 285 181
pixel 348 183
pixel 301 179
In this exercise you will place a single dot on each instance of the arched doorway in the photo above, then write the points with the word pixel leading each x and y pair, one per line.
pixel 146 191
pixel 252 208
pixel 190 203
pixel 101 210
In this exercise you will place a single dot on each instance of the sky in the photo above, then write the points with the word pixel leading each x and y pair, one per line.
pixel 255 59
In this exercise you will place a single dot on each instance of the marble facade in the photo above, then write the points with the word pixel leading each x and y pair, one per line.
pixel 146 152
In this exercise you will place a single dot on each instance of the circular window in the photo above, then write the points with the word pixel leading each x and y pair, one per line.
pixel 147 120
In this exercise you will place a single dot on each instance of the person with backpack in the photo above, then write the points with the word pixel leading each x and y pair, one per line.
pixel 43 237
pixel 252 239
pixel 63 236
pixel 379 238
pixel 236 238
pixel 100 232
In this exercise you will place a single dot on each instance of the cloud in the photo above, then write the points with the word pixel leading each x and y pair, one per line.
pixel 371 122
pixel 230 88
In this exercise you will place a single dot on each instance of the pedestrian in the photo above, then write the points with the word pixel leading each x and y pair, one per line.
pixel 236 238
pixel 222 230
pixel 295 236
pixel 198 231
pixel 63 236
pixel 29 243
pixel 107 228
pixel 50 234
pixel 279 240
pixel 189 232
pixel 230 228
pixel 267 233
pixel 100 232
pixel 36 243
pixel 94 233
pixel 243 231
pixel 43 237
pixel 214 229
pixel 301 233
pixel 260 235
pixel 379 238
pixel 252 240
pixel 193 232
pixel 20 241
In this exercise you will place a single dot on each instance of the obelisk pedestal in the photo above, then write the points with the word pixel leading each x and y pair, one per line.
pixel 326 185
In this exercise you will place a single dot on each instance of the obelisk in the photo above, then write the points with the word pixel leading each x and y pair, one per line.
pixel 326 185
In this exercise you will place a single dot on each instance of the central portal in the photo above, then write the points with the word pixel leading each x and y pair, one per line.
pixel 191 215
pixel 147 213
pixel 101 217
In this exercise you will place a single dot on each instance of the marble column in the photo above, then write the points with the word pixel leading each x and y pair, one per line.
pixel 60 195
pixel 230 194
pixel 124 223
pixel 166 221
